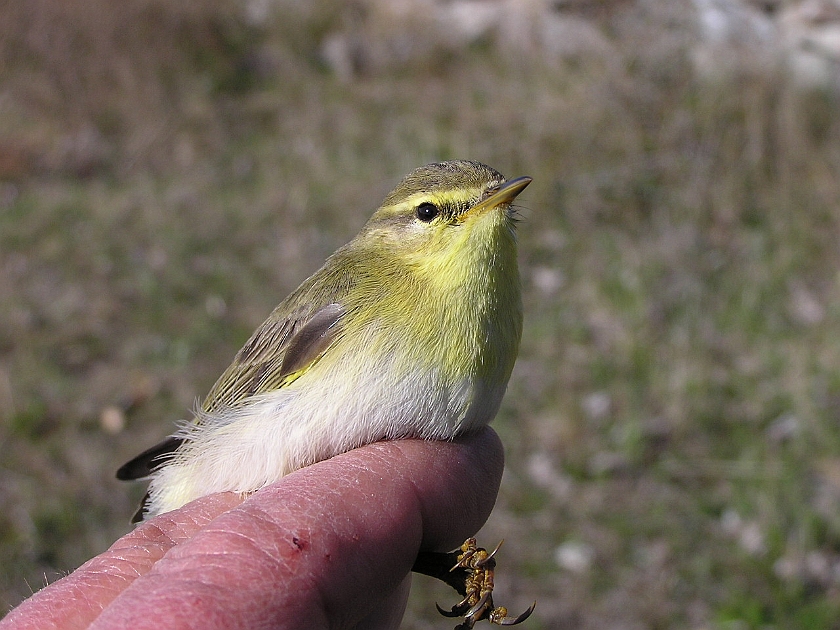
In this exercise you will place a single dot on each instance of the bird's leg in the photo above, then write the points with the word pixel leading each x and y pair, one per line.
pixel 469 570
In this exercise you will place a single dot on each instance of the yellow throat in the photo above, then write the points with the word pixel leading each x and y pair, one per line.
pixel 409 330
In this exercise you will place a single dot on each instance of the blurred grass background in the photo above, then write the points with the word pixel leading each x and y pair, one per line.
pixel 170 170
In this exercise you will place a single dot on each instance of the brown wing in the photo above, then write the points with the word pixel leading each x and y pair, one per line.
pixel 277 353
pixel 296 334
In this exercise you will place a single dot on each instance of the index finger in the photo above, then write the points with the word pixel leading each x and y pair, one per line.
pixel 312 546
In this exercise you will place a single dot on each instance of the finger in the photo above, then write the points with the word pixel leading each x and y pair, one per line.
pixel 389 614
pixel 327 546
pixel 77 599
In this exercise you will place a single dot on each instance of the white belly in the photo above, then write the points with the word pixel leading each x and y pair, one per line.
pixel 320 415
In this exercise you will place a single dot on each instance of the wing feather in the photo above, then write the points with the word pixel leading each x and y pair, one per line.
pixel 296 334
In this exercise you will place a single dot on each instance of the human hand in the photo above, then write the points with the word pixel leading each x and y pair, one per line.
pixel 328 546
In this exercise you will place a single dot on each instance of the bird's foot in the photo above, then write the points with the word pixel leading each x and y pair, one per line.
pixel 472 576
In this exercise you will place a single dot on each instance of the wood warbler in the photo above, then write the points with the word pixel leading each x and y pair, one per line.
pixel 409 330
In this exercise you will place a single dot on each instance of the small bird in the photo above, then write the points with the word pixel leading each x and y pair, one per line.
pixel 409 330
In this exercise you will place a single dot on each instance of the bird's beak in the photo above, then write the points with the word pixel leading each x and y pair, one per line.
pixel 503 195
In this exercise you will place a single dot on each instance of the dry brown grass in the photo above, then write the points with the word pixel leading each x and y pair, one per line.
pixel 91 87
pixel 671 426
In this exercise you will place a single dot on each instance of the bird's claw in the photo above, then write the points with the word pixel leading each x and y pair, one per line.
pixel 479 567
pixel 499 616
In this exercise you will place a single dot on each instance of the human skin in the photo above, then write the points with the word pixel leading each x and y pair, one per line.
pixel 328 546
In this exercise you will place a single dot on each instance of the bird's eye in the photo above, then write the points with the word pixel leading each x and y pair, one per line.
pixel 427 211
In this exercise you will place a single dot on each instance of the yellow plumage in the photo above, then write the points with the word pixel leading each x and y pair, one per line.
pixel 409 330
